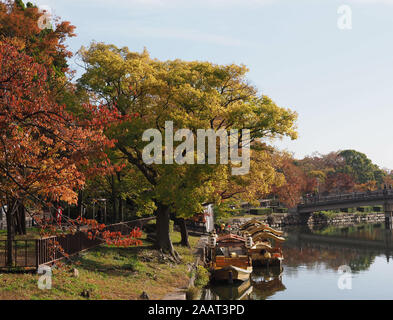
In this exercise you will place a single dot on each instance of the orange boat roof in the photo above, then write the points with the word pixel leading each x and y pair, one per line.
pixel 231 238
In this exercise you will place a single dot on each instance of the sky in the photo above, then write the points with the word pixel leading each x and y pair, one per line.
pixel 339 81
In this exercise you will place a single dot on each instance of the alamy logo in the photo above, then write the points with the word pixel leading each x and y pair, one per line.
pixel 345 280
pixel 344 21
pixel 184 152
pixel 45 281
pixel 44 21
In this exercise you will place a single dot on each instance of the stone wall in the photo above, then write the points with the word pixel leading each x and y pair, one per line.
pixel 346 218
pixel 287 219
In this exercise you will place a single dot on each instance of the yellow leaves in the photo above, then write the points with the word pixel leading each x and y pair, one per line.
pixel 194 95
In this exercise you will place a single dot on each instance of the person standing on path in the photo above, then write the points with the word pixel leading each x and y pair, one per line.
pixel 59 213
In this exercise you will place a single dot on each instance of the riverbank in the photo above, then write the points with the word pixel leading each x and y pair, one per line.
pixel 109 273
pixel 290 219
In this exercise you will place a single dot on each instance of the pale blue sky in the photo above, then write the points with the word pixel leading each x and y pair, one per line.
pixel 339 81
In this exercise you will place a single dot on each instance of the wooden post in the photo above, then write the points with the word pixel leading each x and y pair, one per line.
pixel 105 211
pixel 122 209
pixel 37 253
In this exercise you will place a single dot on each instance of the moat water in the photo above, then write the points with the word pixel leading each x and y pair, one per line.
pixel 348 262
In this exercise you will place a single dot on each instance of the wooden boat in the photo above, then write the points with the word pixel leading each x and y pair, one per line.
pixel 231 272
pixel 229 258
pixel 236 291
pixel 252 230
pixel 262 252
pixel 264 255
pixel 250 224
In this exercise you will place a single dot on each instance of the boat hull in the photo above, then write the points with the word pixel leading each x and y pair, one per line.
pixel 266 262
pixel 231 273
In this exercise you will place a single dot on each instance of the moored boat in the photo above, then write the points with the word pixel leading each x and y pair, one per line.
pixel 263 254
pixel 231 273
pixel 261 250
pixel 229 259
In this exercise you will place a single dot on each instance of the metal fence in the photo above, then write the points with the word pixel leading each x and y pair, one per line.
pixel 355 196
pixel 35 252
pixel 24 253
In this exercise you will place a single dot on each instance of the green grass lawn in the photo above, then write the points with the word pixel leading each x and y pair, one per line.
pixel 31 233
pixel 108 273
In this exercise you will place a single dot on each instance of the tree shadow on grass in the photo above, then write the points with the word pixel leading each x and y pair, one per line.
pixel 114 261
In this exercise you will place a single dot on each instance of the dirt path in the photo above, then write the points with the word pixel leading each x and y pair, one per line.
pixel 180 293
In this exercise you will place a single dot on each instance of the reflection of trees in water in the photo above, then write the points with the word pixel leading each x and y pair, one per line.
pixel 319 257
pixel 266 289
pixel 316 255
pixel 263 283
pixel 224 291
pixel 291 271
pixel 371 232
pixel 362 263
pixel 266 282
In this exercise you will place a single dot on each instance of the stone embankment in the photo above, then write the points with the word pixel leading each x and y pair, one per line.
pixel 290 219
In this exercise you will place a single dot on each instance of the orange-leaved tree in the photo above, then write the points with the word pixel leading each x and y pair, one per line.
pixel 46 154
pixel 19 25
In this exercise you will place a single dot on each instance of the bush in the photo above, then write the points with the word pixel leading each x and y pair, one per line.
pixel 201 277
pixel 261 211
pixel 192 293
pixel 328 214
pixel 281 210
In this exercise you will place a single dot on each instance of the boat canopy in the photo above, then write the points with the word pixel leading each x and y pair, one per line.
pixel 231 240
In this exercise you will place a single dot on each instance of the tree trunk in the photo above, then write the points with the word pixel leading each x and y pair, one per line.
pixel 121 209
pixel 10 234
pixel 183 231
pixel 114 210
pixel 20 220
pixel 80 200
pixel 23 219
pixel 114 199
pixel 16 222
pixel 163 241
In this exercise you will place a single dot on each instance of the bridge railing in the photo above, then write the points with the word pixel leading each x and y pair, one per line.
pixel 370 195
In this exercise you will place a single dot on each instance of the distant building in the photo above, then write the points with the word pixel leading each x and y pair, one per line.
pixel 209 216
pixel 203 222
pixel 263 203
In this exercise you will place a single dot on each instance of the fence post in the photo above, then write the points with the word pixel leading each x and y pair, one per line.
pixel 16 252
pixel 37 253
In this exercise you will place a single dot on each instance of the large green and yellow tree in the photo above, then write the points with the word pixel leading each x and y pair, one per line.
pixel 193 95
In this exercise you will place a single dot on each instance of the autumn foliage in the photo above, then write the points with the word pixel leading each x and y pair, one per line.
pixel 18 26
pixel 336 172
pixel 43 149
pixel 46 154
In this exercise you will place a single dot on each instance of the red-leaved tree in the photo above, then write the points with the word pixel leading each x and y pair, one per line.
pixel 46 154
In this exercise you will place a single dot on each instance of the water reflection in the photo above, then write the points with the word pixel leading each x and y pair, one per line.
pixel 331 247
pixel 266 282
pixel 263 283
pixel 221 291
pixel 312 257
